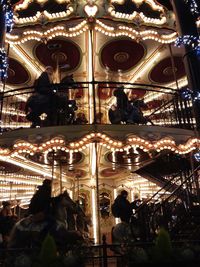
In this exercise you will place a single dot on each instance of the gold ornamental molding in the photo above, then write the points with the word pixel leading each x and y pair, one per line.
pixel 58 143
pixel 83 26
pixel 47 35
pixel 139 15
pixel 41 16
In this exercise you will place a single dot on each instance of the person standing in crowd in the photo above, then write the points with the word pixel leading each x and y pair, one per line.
pixel 44 101
pixel 122 102
pixel 7 221
pixel 43 84
pixel 41 200
pixel 121 207
pixel 114 115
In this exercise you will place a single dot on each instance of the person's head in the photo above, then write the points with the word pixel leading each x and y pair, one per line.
pixel 46 182
pixel 6 205
pixel 49 70
pixel 124 193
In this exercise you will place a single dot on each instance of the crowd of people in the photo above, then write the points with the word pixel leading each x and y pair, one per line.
pixel 144 218
pixel 49 106
pixel 60 216
pixel 68 224
pixel 125 110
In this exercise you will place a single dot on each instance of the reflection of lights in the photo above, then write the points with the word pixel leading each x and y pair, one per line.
pixel 90 76
pixel 145 66
pixel 113 160
pixel 91 10
pixel 26 166
pixel 197 156
pixel 93 159
pixel 92 182
pixel 117 220
pixel 43 116
pixel 25 58
pixel 94 215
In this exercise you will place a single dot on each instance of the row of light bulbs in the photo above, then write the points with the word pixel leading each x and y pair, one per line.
pixel 133 34
pixel 41 15
pixel 25 3
pixel 154 5
pixel 135 14
pixel 49 34
pixel 82 27
pixel 104 140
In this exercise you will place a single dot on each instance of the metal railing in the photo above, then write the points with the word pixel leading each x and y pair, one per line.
pixel 161 106
pixel 102 255
pixel 181 202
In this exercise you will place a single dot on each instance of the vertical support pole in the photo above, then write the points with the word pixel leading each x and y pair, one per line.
pixel 91 86
pixel 105 257
pixel 97 192
pixel 186 25
pixel 60 177
pixel 52 173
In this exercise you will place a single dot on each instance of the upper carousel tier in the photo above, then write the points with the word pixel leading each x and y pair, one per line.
pixel 105 45
pixel 138 12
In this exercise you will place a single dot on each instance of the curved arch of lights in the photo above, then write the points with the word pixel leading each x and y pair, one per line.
pixel 83 26
pixel 140 15
pixel 47 35
pixel 45 15
pixel 133 34
pixel 59 143
pixel 154 5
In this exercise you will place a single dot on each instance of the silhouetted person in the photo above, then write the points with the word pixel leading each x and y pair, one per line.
pixel 114 115
pixel 7 221
pixel 124 206
pixel 44 101
pixel 41 199
pixel 43 84
pixel 122 102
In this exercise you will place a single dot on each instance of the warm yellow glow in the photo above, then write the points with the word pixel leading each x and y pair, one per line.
pixel 25 166
pixel 93 160
pixel 48 34
pixel 90 76
pixel 130 32
pixel 26 59
pixel 94 215
pixel 181 83
pixel 24 147
pixel 152 3
pixel 145 66
pixel 117 220
pixel 26 3
pixel 135 14
pixel 91 10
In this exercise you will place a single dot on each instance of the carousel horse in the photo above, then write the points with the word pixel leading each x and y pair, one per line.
pixel 70 215
pixel 31 231
pixel 125 232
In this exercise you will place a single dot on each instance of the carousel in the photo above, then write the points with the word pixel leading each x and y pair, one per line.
pixel 147 49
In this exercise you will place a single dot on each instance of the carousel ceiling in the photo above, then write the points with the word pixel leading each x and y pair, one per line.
pixel 122 54
pixel 163 72
pixel 17 73
pixel 58 52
